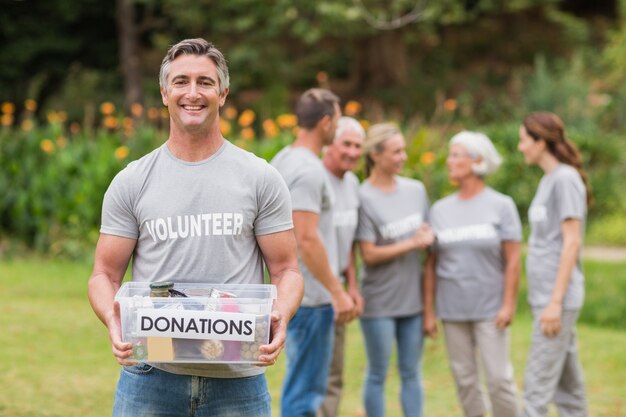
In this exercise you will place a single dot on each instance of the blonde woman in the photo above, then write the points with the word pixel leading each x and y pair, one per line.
pixel 391 235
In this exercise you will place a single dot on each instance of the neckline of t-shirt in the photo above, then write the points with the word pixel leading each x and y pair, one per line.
pixel 204 161
pixel 383 192
pixel 480 195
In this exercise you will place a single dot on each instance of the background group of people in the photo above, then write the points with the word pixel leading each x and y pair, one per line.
pixel 457 261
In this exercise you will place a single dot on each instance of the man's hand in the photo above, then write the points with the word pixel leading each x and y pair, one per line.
pixel 121 350
pixel 278 335
pixel 343 306
pixel 357 299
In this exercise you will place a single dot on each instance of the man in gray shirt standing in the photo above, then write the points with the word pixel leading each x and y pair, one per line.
pixel 340 158
pixel 310 333
pixel 196 209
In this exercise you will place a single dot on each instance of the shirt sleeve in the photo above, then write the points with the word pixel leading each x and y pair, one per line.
pixel 570 197
pixel 274 204
pixel 118 218
pixel 366 230
pixel 307 191
pixel 510 223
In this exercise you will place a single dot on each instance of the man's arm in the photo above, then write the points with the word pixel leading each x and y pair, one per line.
pixel 111 260
pixel 280 255
pixel 353 285
pixel 316 260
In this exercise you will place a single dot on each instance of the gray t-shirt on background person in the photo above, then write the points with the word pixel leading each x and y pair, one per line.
pixel 392 289
pixel 470 258
pixel 310 191
pixel 345 215
pixel 561 195
pixel 198 222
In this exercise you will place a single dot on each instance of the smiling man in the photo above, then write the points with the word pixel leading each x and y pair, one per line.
pixel 196 209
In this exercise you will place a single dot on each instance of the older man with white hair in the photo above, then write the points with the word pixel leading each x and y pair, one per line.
pixel 340 159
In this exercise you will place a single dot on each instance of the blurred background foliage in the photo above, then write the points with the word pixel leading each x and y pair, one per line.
pixel 80 98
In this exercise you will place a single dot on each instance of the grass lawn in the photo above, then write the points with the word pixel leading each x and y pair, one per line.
pixel 56 358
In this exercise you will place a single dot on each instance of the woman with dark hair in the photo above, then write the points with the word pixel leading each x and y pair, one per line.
pixel 556 290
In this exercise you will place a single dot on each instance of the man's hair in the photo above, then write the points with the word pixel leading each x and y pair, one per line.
pixel 313 105
pixel 349 124
pixel 199 47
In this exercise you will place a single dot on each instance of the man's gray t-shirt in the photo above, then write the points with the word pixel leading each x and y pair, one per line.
pixel 392 289
pixel 198 222
pixel 561 195
pixel 470 257
pixel 310 191
pixel 345 215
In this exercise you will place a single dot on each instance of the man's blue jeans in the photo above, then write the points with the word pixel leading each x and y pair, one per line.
pixel 309 351
pixel 144 391
pixel 380 334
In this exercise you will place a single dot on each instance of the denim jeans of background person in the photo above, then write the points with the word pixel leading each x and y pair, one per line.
pixel 196 172
pixel 312 201
pixel 379 335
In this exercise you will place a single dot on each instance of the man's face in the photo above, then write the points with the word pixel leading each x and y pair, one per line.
pixel 344 153
pixel 192 93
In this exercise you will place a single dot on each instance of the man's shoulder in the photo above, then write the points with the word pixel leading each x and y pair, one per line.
pixel 246 158
pixel 137 169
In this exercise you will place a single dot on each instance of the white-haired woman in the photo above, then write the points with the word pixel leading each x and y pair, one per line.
pixel 473 271
pixel 391 235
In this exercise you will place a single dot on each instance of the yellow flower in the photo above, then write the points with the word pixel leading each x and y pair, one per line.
pixel 6 120
pixel 225 127
pixel 153 113
pixel 246 118
pixel 230 112
pixel 427 158
pixel 109 122
pixel 27 125
pixel 62 116
pixel 247 133
pixel 47 146
pixel 287 121
pixel 61 142
pixel 30 105
pixel 270 128
pixel 365 123
pixel 450 105
pixel 352 108
pixel 107 108
pixel 52 117
pixel 121 152
pixel 8 107
pixel 136 109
